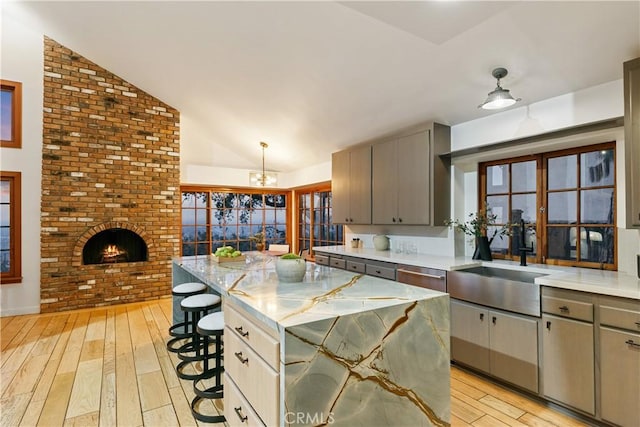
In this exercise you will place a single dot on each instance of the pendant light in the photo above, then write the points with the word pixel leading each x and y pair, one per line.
pixel 263 179
pixel 499 97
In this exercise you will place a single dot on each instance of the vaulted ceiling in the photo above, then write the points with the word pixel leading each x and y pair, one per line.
pixel 310 78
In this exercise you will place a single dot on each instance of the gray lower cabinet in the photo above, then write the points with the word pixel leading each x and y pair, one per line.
pixel 619 332
pixel 568 362
pixel 501 344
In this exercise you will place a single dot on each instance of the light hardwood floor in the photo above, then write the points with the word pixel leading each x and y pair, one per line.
pixel 109 367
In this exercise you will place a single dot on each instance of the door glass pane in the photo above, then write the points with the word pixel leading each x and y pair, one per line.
pixel 6 115
pixel 497 179
pixel 596 244
pixel 561 243
pixel 499 206
pixel 561 172
pixel 596 206
pixel 523 206
pixel 188 200
pixel 562 207
pixel 188 233
pixel 596 168
pixel 498 245
pixel 523 176
pixel 5 238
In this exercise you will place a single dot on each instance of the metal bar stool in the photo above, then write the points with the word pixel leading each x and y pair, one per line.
pixel 210 327
pixel 198 306
pixel 180 331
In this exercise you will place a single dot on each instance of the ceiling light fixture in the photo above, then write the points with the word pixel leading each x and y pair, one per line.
pixel 499 97
pixel 263 179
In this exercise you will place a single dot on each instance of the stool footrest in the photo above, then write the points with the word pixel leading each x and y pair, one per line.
pixel 202 417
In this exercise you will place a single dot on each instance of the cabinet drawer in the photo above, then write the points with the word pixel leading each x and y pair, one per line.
pixel 321 259
pixel 379 271
pixel 337 263
pixel 257 381
pixel 246 330
pixel 623 314
pixel 356 267
pixel 237 410
pixel 567 304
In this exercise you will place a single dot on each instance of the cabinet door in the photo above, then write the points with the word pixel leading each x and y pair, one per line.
pixel 360 186
pixel 385 183
pixel 470 335
pixel 340 166
pixel 568 362
pixel 620 376
pixel 414 172
pixel 514 349
pixel 632 140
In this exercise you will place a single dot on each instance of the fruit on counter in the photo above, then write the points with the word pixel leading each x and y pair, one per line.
pixel 227 252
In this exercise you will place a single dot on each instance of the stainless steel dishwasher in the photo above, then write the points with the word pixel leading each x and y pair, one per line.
pixel 430 278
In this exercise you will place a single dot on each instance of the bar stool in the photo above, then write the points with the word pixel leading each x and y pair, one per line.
pixel 183 290
pixel 198 306
pixel 210 327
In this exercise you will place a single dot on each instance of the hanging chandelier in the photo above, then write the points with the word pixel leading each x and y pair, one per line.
pixel 264 178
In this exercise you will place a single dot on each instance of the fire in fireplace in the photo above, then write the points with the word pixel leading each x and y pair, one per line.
pixel 114 245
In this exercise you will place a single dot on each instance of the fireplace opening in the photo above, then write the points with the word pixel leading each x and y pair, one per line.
pixel 114 245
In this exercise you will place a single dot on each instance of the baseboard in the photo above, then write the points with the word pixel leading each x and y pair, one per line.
pixel 35 309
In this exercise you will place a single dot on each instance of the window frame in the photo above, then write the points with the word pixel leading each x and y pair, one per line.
pixel 16 114
pixel 311 189
pixel 541 205
pixel 234 190
pixel 14 275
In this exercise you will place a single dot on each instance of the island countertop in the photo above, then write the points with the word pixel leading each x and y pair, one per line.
pixel 324 293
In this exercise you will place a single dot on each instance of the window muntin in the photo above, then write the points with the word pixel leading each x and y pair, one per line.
pixel 212 218
pixel 566 199
pixel 10 114
pixel 315 225
pixel 10 237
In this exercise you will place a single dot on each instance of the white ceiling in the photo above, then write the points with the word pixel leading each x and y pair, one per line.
pixel 312 77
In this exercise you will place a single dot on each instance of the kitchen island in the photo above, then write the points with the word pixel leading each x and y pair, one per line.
pixel 338 348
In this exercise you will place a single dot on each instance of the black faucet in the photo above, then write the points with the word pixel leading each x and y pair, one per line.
pixel 523 246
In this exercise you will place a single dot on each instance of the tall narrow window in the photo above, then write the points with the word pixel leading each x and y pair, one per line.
pixel 212 218
pixel 10 238
pixel 315 225
pixel 11 114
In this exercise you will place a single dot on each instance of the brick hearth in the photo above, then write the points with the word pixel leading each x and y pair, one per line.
pixel 110 157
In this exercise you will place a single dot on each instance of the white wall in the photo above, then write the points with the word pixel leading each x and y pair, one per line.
pixel 23 61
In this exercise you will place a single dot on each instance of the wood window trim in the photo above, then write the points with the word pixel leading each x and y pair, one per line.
pixel 16 114
pixel 194 188
pixel 14 275
pixel 308 189
pixel 541 195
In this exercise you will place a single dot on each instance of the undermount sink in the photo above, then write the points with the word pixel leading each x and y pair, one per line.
pixel 502 273
pixel 510 290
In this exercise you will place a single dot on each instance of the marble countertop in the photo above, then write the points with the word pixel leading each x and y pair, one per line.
pixel 600 282
pixel 324 293
pixel 418 260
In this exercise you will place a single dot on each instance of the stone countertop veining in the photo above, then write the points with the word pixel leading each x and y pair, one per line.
pixel 418 260
pixel 602 282
pixel 324 293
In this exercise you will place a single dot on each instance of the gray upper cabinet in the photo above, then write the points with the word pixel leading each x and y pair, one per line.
pixel 400 186
pixel 632 140
pixel 351 185
pixel 410 181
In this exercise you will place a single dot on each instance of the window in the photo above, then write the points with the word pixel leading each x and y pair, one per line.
pixel 212 218
pixel 315 226
pixel 11 114
pixel 10 213
pixel 566 201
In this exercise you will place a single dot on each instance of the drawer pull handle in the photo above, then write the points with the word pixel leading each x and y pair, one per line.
pixel 638 324
pixel 241 331
pixel 481 317
pixel 564 309
pixel 631 343
pixel 493 319
pixel 238 410
pixel 243 360
pixel 378 272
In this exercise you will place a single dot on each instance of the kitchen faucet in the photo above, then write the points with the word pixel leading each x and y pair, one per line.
pixel 523 246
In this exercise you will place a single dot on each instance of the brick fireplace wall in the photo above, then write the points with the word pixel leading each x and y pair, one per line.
pixel 110 157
